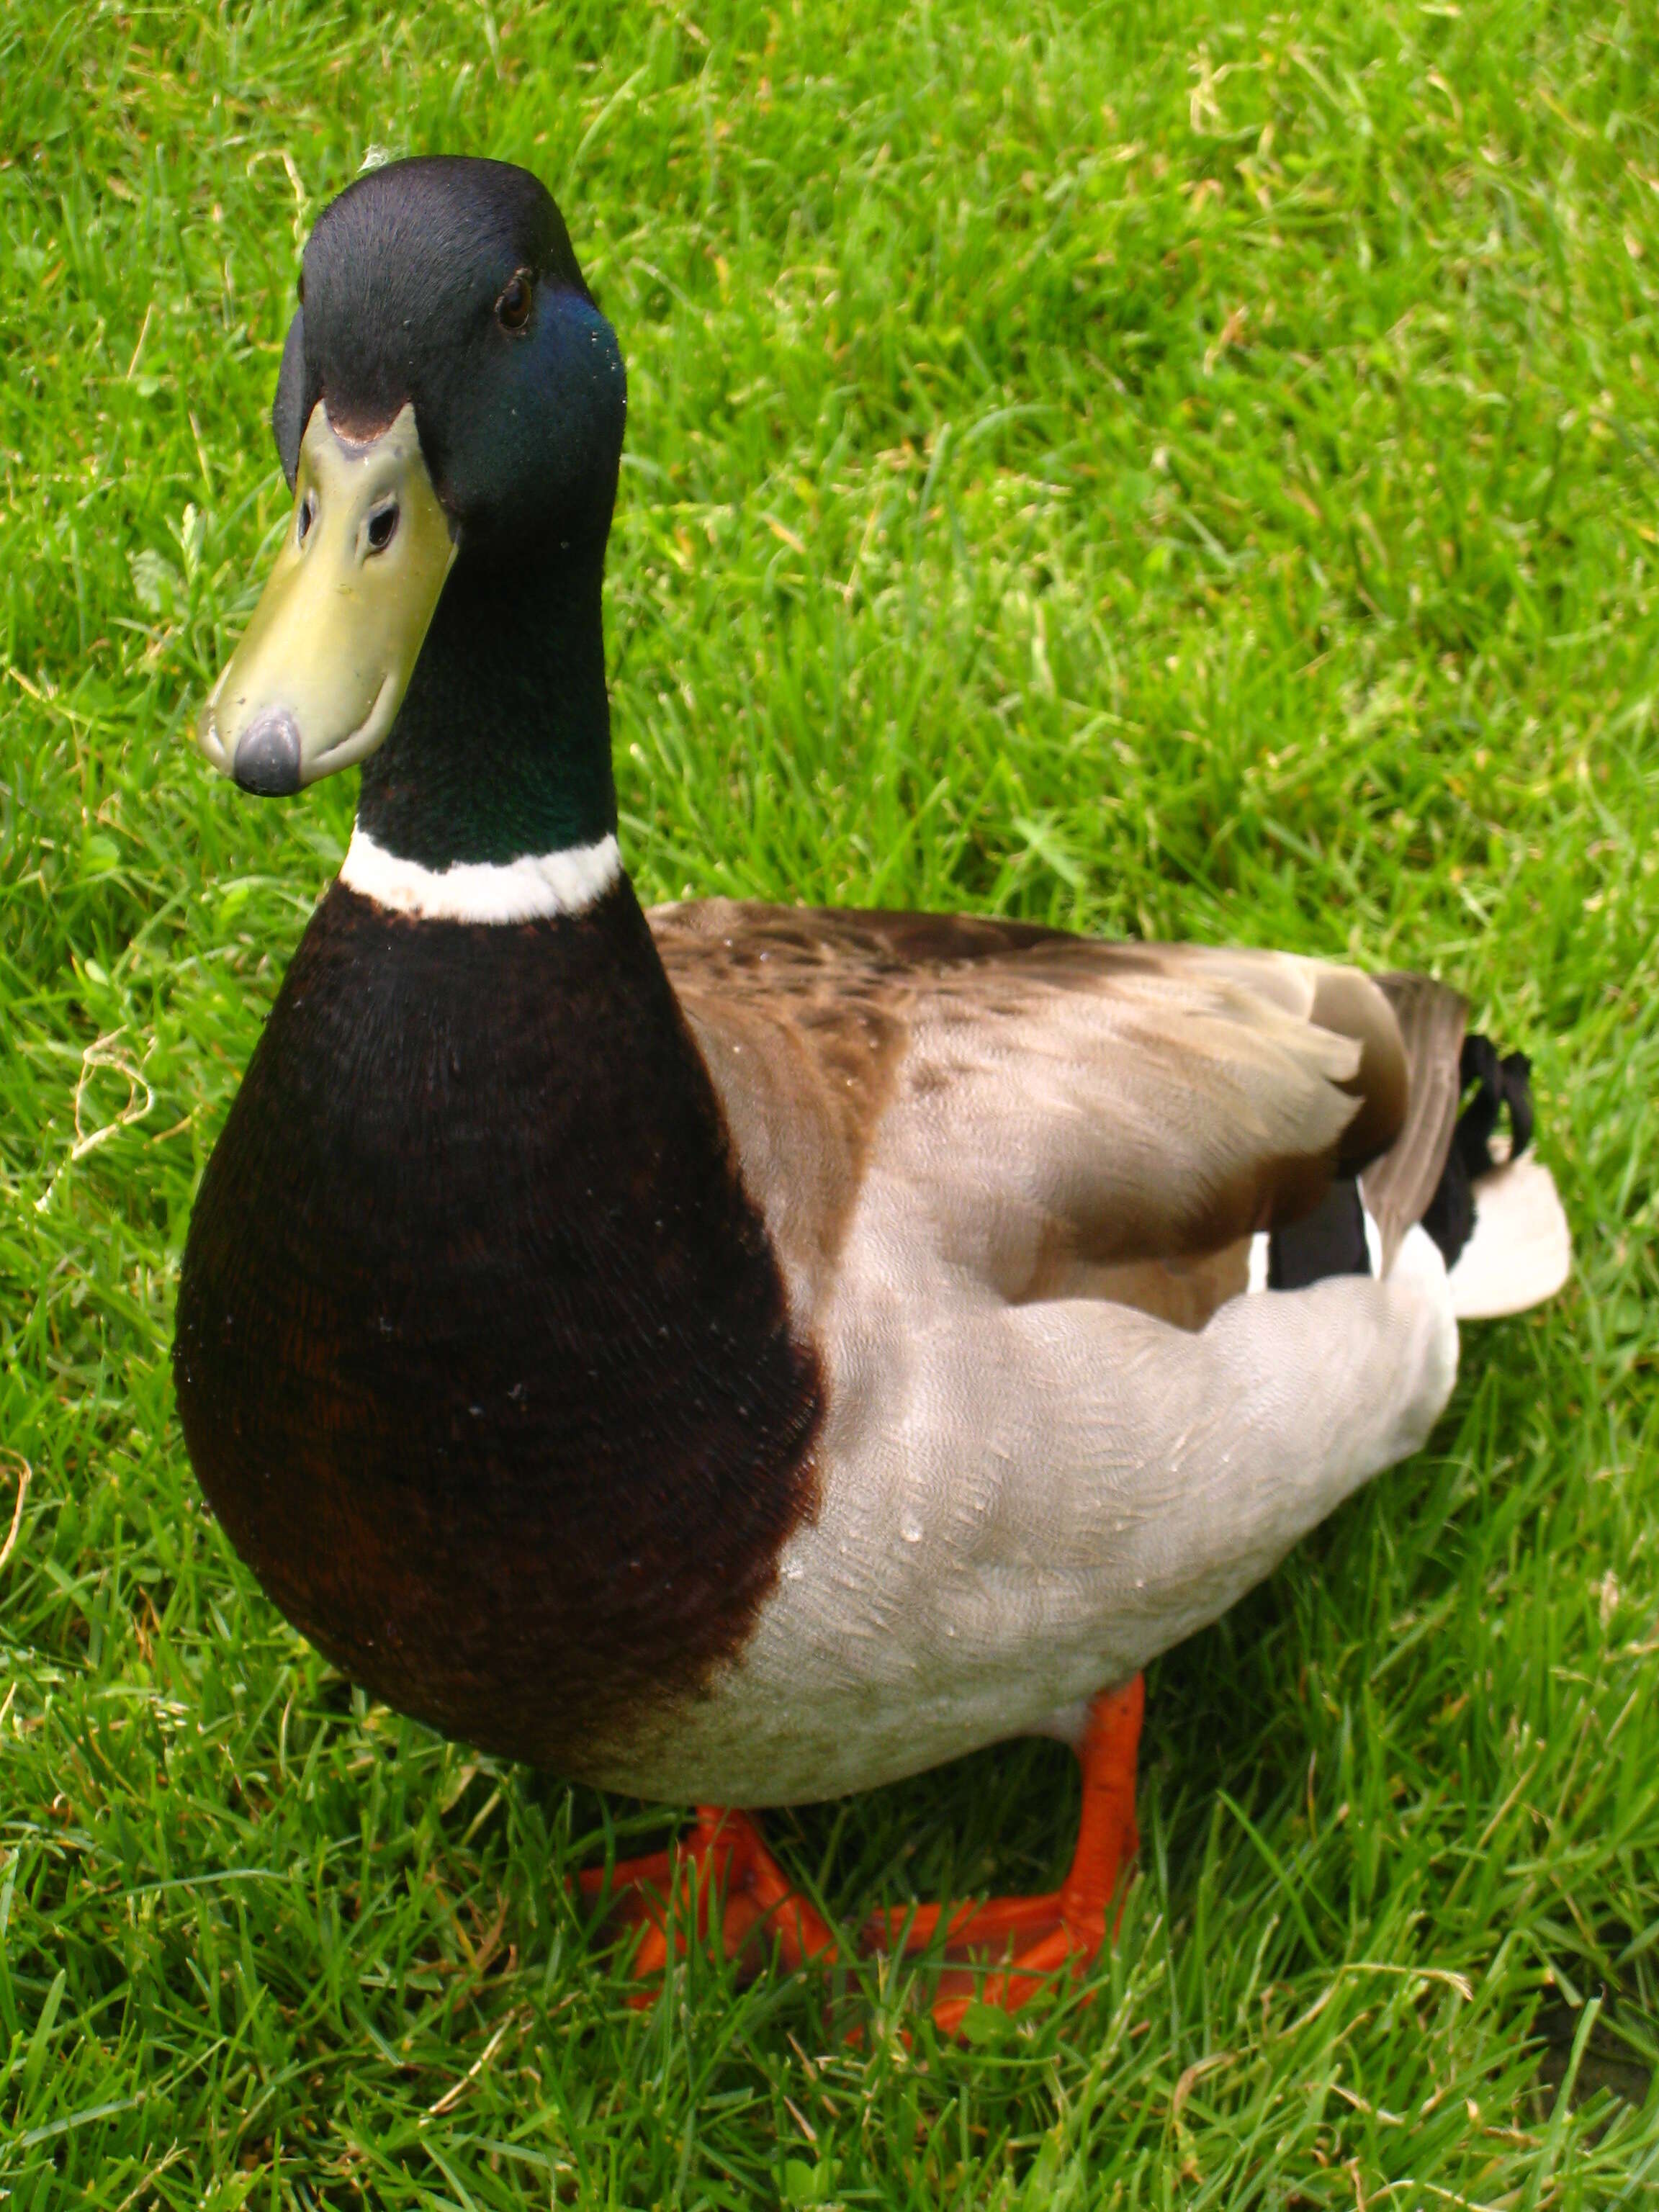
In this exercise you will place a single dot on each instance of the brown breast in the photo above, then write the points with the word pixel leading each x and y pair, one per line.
pixel 482 1355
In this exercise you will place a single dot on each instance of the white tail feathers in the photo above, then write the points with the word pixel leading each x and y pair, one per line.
pixel 1520 1251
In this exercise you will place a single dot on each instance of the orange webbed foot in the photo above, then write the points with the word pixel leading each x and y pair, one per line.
pixel 1029 1940
pixel 719 1876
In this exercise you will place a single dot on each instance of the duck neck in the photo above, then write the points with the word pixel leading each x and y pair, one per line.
pixel 501 750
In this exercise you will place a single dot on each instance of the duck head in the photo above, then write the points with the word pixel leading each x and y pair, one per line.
pixel 449 415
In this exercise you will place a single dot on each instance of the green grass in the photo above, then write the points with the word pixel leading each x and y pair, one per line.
pixel 1174 471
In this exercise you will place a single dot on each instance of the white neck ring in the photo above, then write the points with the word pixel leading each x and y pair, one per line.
pixel 529 889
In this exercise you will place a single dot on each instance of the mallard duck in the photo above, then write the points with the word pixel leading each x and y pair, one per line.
pixel 737 1354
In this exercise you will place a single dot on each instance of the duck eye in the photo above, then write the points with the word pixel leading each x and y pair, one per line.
pixel 513 308
pixel 381 524
pixel 307 516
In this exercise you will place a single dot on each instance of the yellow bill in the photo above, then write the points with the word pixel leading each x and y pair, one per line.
pixel 323 666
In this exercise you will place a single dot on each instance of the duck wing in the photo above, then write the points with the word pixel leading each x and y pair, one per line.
pixel 1064 1117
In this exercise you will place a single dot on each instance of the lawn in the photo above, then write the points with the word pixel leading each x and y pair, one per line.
pixel 1164 471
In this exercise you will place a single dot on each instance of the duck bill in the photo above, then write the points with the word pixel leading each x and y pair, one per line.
pixel 321 670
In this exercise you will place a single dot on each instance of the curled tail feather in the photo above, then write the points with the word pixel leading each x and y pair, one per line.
pixel 1489 1207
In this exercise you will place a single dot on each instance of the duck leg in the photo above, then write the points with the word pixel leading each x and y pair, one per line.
pixel 1036 1936
pixel 719 1876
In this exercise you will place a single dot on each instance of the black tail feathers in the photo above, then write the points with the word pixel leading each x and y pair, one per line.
pixel 1332 1239
pixel 1490 1086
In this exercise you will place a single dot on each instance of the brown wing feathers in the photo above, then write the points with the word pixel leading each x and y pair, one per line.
pixel 1398 1188
pixel 1152 1103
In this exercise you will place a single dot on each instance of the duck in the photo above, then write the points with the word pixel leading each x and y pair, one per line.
pixel 741 1354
